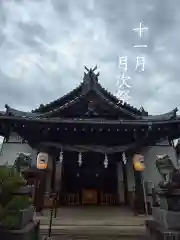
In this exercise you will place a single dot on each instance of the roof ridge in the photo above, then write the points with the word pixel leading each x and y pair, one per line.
pixel 57 100
pixel 15 112
pixel 168 115
pixel 117 106
pixel 115 98
pixel 63 106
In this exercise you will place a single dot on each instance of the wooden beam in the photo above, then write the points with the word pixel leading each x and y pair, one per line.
pixel 92 148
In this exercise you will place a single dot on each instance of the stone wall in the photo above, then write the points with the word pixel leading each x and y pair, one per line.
pixel 10 150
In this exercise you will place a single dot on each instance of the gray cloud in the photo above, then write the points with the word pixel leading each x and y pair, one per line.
pixel 45 45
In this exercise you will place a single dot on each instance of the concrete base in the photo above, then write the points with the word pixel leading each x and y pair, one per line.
pixel 168 219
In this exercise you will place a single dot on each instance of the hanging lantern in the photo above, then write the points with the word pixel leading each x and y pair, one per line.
pixel 61 156
pixel 138 162
pixel 42 160
pixel 105 161
pixel 80 159
pixel 124 159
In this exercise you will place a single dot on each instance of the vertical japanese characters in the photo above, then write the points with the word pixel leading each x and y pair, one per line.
pixel 140 60
pixel 122 83
pixel 123 86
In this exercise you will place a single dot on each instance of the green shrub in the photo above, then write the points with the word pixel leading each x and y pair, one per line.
pixel 11 221
pixel 18 202
pixel 10 204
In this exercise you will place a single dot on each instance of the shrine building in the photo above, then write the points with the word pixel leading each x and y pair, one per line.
pixel 91 137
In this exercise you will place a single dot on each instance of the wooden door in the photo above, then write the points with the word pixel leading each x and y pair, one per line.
pixel 89 196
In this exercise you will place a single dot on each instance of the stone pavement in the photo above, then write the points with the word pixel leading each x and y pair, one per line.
pixel 94 223
pixel 86 216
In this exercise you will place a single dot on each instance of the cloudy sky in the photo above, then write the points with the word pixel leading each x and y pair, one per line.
pixel 46 43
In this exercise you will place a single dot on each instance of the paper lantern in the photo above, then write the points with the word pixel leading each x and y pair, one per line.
pixel 42 160
pixel 138 162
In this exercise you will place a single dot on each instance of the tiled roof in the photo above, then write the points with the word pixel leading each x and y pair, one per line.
pixel 90 80
pixel 90 83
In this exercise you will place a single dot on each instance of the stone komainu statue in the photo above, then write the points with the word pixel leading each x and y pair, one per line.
pixel 170 174
pixel 23 160
pixel 168 193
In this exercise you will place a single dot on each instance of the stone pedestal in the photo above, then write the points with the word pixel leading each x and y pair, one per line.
pixel 158 232
pixel 168 219
pixel 166 216
pixel 29 232
pixel 170 202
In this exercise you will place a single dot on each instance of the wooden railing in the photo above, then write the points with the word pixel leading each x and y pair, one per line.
pixel 108 199
pixel 74 199
pixel 71 199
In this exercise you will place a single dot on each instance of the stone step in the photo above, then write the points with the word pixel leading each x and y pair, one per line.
pixel 126 221
pixel 85 237
pixel 95 232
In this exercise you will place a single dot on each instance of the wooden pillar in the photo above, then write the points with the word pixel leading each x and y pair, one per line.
pixel 40 190
pixel 120 184
pixel 125 183
pixel 53 174
pixel 139 205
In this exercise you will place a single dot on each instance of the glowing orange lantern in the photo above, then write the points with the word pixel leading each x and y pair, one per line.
pixel 42 160
pixel 138 162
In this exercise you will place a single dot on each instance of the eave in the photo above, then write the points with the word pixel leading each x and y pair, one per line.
pixel 166 116
pixel 169 116
pixel 88 131
pixel 14 112
pixel 112 106
pixel 40 119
